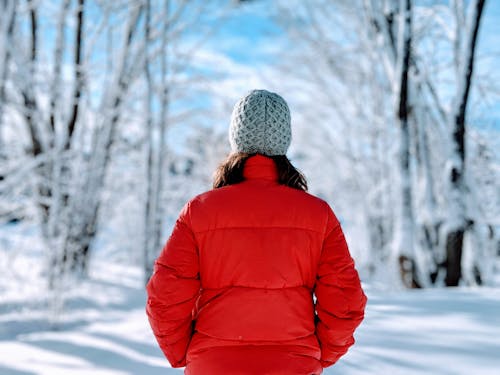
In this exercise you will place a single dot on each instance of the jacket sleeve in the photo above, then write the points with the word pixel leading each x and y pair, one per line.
pixel 340 301
pixel 173 290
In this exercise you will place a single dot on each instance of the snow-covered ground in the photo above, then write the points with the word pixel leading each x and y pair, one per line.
pixel 104 330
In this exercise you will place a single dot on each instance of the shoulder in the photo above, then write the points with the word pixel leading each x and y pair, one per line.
pixel 308 199
pixel 315 206
pixel 237 190
pixel 313 199
pixel 211 196
pixel 271 204
pixel 206 200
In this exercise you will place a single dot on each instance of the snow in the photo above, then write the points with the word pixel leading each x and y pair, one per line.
pixel 104 330
pixel 434 331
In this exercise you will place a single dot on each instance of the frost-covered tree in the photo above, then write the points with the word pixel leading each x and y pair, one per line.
pixel 375 68
pixel 173 76
pixel 457 220
pixel 7 19
pixel 92 84
pixel 70 114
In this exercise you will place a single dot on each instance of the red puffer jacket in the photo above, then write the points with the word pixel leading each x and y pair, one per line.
pixel 232 291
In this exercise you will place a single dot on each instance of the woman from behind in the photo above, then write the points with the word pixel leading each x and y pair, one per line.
pixel 233 288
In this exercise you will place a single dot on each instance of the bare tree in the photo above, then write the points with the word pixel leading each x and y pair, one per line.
pixel 166 63
pixel 7 19
pixel 386 49
pixel 457 221
pixel 156 129
pixel 69 179
pixel 405 220
pixel 82 227
pixel 74 91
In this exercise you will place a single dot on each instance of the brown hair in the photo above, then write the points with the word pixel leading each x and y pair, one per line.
pixel 230 171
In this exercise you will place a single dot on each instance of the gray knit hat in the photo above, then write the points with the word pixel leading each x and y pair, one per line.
pixel 260 123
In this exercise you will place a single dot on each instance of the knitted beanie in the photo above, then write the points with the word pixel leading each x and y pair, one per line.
pixel 260 123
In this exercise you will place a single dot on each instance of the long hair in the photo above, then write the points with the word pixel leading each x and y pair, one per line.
pixel 230 171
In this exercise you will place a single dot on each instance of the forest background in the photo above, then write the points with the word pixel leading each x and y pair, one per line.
pixel 113 114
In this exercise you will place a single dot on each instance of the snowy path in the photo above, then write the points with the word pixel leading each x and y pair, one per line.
pixel 105 331
pixel 442 332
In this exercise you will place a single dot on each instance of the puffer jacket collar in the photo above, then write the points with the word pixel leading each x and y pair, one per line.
pixel 260 167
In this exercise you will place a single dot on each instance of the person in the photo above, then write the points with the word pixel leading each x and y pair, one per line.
pixel 256 277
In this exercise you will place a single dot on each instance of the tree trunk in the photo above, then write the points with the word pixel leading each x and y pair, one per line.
pixel 7 18
pixel 405 221
pixel 456 225
pixel 75 254
pixel 87 198
pixel 151 196
pixel 454 242
pixel 156 152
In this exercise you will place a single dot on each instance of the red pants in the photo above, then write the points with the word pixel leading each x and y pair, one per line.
pixel 251 360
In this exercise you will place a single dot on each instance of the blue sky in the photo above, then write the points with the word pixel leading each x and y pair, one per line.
pixel 489 43
pixel 250 34
pixel 244 42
